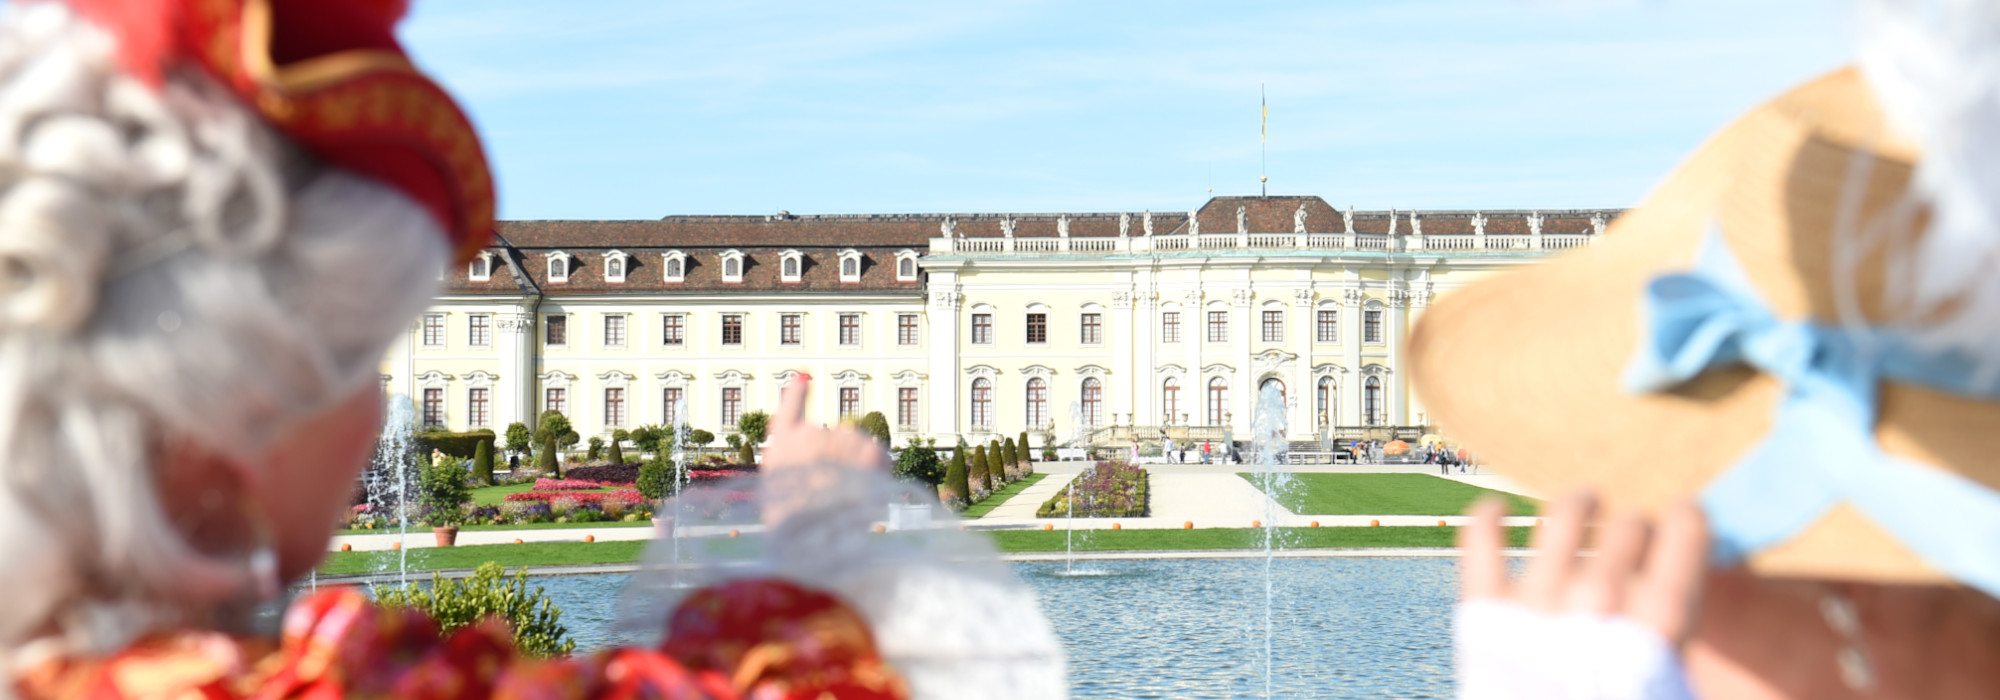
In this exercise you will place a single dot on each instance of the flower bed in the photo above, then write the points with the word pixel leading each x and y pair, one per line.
pixel 625 496
pixel 567 485
pixel 1110 490
pixel 608 474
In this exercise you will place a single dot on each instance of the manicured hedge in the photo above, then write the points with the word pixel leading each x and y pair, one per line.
pixel 460 445
pixel 627 473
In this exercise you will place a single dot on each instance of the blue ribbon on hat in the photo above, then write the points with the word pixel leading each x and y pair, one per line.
pixel 1821 449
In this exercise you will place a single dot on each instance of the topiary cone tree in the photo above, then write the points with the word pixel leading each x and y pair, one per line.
pixel 617 451
pixel 545 458
pixel 957 484
pixel 982 479
pixel 482 462
pixel 996 464
pixel 1013 457
pixel 1027 460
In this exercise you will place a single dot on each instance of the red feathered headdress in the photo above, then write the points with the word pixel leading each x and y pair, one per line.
pixel 330 75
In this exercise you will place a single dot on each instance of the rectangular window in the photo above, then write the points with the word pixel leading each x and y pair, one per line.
pixel 1093 329
pixel 479 330
pixel 732 329
pixel 1218 326
pixel 670 407
pixel 906 408
pixel 906 329
pixel 433 330
pixel 1038 328
pixel 1329 327
pixel 850 329
pixel 556 330
pixel 476 414
pixel 1274 326
pixel 732 406
pixel 672 332
pixel 614 331
pixel 1371 326
pixel 614 406
pixel 850 402
pixel 1170 327
pixel 556 400
pixel 982 329
pixel 433 408
pixel 788 329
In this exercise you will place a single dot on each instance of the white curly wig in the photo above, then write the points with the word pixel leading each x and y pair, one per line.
pixel 170 269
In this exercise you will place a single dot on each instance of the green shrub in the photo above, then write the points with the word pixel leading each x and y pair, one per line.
pixel 957 482
pixel 755 427
pixel 656 477
pixel 551 425
pixel 982 480
pixel 1111 490
pixel 700 438
pixel 596 448
pixel 616 455
pixel 877 425
pixel 482 462
pixel 746 453
pixel 460 445
pixel 545 458
pixel 488 593
pixel 735 441
pixel 441 489
pixel 920 463
pixel 643 437
pixel 996 465
pixel 519 437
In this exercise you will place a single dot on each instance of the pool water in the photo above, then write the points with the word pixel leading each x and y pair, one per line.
pixel 1344 627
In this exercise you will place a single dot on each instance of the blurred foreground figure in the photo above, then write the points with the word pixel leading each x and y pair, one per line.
pixel 215 216
pixel 1778 392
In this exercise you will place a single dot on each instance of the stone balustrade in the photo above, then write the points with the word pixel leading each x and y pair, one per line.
pixel 1257 241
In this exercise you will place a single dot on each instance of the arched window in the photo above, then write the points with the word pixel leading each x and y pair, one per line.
pixel 850 267
pixel 732 268
pixel 1323 402
pixel 1269 383
pixel 1371 400
pixel 614 269
pixel 1218 401
pixel 791 267
pixel 982 403
pixel 1093 402
pixel 906 268
pixel 1170 400
pixel 1038 402
pixel 558 268
pixel 674 269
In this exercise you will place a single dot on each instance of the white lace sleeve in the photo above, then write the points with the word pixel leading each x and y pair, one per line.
pixel 1506 651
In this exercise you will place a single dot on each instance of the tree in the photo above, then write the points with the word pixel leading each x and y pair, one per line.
pixel 644 437
pixel 441 489
pixel 877 425
pixel 656 477
pixel 569 438
pixel 551 425
pixel 746 453
pixel 701 438
pixel 996 464
pixel 735 441
pixel 617 449
pixel 482 462
pixel 957 483
pixel 754 426
pixel 1027 460
pixel 596 446
pixel 1011 454
pixel 982 480
pixel 920 463
pixel 519 437
pixel 545 458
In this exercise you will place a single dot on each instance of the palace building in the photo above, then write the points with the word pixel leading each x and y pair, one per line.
pixel 1074 327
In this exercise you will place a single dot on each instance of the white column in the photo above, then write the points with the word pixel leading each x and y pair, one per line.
pixel 1242 389
pixel 1396 384
pixel 945 377
pixel 515 396
pixel 1123 371
pixel 1305 416
pixel 1194 333
pixel 1145 384
pixel 1351 312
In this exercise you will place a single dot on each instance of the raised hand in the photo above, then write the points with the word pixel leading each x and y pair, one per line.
pixel 797 447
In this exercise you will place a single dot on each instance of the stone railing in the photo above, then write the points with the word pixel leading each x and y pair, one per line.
pixel 1258 241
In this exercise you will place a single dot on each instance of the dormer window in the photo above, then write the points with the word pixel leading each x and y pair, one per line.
pixel 614 266
pixel 732 266
pixel 481 268
pixel 676 267
pixel 559 266
pixel 850 265
pixel 790 263
pixel 906 266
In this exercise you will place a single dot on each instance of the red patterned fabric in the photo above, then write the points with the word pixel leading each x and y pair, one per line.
pixel 747 640
pixel 330 75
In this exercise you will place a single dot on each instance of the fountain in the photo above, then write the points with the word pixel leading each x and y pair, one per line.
pixel 1267 439
pixel 1069 517
pixel 682 435
pixel 387 482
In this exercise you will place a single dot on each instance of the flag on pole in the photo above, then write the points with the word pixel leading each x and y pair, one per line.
pixel 1263 125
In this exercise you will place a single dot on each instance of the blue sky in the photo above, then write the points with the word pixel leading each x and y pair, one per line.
pixel 608 109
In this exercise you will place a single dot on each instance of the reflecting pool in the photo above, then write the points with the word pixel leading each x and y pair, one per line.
pixel 1346 627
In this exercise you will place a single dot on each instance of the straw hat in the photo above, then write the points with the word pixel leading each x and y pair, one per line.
pixel 1519 363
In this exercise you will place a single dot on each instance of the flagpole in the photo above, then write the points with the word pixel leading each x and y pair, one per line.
pixel 1263 136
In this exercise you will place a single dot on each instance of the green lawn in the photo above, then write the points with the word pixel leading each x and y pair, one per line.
pixel 1387 494
pixel 980 509
pixel 416 527
pixel 540 554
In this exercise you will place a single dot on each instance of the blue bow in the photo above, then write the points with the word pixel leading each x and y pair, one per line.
pixel 1821 449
